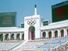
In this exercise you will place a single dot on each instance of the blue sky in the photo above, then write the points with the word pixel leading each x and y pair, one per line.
pixel 26 8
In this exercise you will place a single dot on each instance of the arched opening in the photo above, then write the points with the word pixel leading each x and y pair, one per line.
pixel 56 34
pixel 12 37
pixel 18 36
pixel 43 34
pixel 67 32
pixel 62 33
pixel 1 37
pixel 22 36
pixel 31 35
pixel 50 34
pixel 6 37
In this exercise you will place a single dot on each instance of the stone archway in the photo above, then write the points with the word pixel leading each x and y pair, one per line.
pixel 6 37
pixel 67 32
pixel 56 33
pixel 22 36
pixel 18 36
pixel 12 36
pixel 1 37
pixel 31 35
pixel 62 33
pixel 50 34
pixel 44 34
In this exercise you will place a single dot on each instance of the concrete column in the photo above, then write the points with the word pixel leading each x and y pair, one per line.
pixel 3 36
pixel 41 34
pixel 21 36
pixel 46 34
pixel 59 34
pixel 9 36
pixel 65 32
pixel 53 34
pixel 15 36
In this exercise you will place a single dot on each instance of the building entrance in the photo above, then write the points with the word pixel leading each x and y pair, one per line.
pixel 31 35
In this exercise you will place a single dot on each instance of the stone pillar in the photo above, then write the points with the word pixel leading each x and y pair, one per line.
pixel 15 36
pixel 46 34
pixel 3 36
pixel 41 34
pixel 9 37
pixel 53 34
pixel 65 32
pixel 59 34
pixel 21 36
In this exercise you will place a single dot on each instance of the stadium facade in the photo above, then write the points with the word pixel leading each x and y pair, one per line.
pixel 33 33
